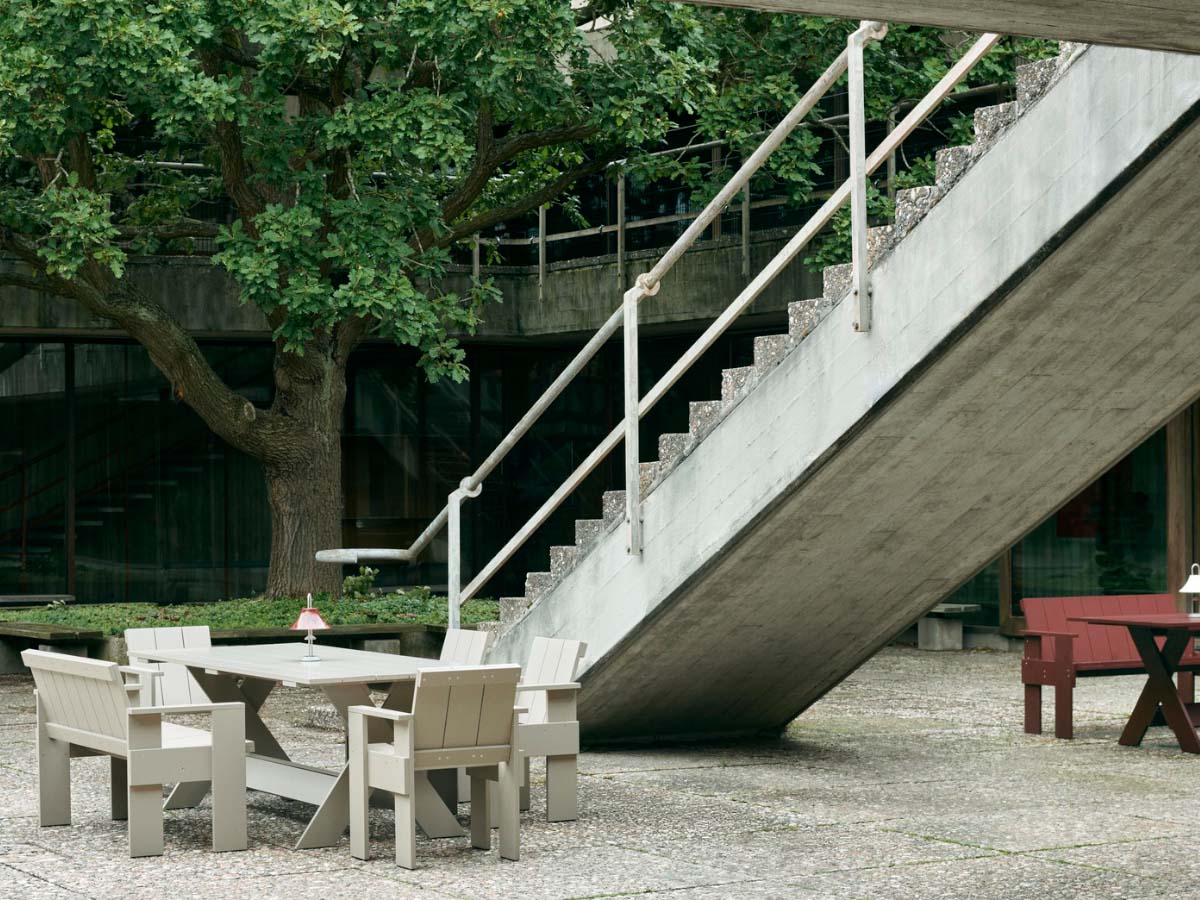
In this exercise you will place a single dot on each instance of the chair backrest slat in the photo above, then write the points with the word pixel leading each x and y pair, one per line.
pixel 464 647
pixel 85 694
pixel 467 707
pixel 551 661
pixel 177 687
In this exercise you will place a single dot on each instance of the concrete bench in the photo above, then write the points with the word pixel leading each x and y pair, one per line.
pixel 939 629
pixel 18 636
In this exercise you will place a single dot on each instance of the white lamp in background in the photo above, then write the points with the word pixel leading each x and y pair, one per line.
pixel 1191 587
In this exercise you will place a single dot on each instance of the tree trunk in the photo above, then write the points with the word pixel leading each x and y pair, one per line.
pixel 306 516
pixel 304 477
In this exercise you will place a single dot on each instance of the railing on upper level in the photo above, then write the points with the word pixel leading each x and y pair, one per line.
pixel 647 285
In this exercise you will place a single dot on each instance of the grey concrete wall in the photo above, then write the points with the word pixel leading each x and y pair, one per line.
pixel 579 295
pixel 1153 24
pixel 1036 325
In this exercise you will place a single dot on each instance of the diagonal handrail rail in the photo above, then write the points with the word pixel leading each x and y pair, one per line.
pixel 647 284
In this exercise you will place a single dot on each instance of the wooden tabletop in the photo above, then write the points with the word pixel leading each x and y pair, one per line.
pixel 1153 621
pixel 281 662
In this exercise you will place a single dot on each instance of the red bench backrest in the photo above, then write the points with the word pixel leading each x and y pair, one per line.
pixel 1095 644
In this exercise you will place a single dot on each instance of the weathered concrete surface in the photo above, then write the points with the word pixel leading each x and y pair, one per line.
pixel 1035 326
pixel 579 297
pixel 1153 24
pixel 911 780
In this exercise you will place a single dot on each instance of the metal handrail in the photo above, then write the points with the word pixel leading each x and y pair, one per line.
pixel 647 284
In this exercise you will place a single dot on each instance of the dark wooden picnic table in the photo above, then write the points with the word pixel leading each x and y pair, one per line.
pixel 1161 660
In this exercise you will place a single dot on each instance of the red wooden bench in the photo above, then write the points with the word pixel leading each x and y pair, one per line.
pixel 1058 651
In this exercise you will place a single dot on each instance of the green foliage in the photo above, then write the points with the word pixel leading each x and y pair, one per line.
pixel 360 586
pixel 416 605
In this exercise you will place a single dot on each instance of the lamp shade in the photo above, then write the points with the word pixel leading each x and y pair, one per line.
pixel 1192 585
pixel 309 619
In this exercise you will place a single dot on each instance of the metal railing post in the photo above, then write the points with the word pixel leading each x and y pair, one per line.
pixel 633 474
pixel 454 550
pixel 860 285
pixel 621 230
pixel 746 231
pixel 716 167
pixel 541 250
pixel 475 266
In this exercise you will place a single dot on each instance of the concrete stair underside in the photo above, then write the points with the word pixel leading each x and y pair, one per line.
pixel 1035 325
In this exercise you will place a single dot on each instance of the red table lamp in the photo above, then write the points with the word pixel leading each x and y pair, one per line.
pixel 310 620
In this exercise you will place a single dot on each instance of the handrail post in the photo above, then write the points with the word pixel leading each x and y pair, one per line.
pixel 454 549
pixel 860 284
pixel 621 230
pixel 746 230
pixel 541 252
pixel 475 265
pixel 633 474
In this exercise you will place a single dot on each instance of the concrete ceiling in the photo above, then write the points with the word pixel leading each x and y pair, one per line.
pixel 1153 24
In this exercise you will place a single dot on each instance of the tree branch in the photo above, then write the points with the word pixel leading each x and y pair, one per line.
pixel 184 228
pixel 530 201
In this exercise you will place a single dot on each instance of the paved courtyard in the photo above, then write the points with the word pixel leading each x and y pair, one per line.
pixel 912 779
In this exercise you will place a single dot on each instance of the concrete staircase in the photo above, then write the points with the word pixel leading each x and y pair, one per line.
pixel 1035 314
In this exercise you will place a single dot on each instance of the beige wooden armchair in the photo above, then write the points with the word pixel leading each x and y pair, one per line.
pixel 460 717
pixel 84 709
pixel 551 727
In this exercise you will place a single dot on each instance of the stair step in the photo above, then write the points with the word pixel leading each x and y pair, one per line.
pixel 735 383
pixel 587 531
pixel 952 162
pixel 647 471
pixel 1034 79
pixel 880 241
pixel 912 205
pixel 671 448
pixel 563 559
pixel 993 121
pixel 703 416
pixel 538 584
pixel 769 351
pixel 836 280
pixel 803 316
pixel 613 505
pixel 511 609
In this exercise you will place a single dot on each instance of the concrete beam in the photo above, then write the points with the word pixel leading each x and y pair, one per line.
pixel 1152 24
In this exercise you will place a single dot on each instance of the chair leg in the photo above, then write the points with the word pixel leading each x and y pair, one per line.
pixel 119 788
pixel 525 785
pixel 1063 702
pixel 481 813
pixel 54 777
pixel 1033 709
pixel 229 780
pixel 510 815
pixel 464 786
pixel 145 820
pixel 360 792
pixel 562 788
pixel 406 831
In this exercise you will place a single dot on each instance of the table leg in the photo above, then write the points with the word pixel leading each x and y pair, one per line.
pixel 253 692
pixel 1160 691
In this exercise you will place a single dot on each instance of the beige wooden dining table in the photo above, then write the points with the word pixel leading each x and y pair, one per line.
pixel 248 673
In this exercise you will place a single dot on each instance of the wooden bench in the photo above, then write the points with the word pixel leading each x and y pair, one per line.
pixel 1058 651
pixel 938 629
pixel 29 601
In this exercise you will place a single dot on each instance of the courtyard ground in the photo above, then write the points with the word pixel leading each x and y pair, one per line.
pixel 912 779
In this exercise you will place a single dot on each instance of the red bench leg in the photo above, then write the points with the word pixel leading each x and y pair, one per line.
pixel 1033 709
pixel 1063 696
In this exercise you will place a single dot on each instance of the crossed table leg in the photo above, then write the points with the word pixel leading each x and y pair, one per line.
pixel 1160 691
pixel 269 768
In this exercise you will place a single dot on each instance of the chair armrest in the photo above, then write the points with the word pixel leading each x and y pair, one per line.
pixel 379 712
pixel 182 710
pixel 141 671
pixel 564 686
